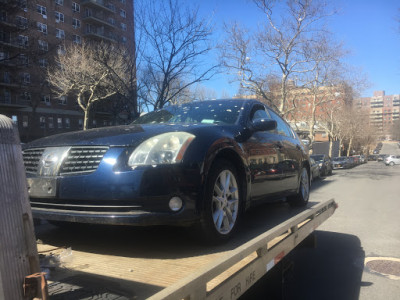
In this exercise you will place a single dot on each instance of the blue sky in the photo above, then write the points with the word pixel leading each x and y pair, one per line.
pixel 369 29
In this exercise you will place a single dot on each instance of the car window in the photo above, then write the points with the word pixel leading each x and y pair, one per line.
pixel 259 112
pixel 207 112
pixel 282 128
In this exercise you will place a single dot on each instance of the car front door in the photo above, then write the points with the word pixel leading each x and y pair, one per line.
pixel 265 156
pixel 291 154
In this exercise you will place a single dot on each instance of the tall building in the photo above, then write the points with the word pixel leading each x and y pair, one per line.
pixel 32 33
pixel 383 110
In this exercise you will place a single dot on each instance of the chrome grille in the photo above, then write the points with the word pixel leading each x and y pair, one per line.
pixel 82 159
pixel 32 159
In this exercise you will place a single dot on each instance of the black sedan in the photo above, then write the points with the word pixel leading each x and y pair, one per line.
pixel 202 163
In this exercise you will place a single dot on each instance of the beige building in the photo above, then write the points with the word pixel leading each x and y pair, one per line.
pixel 32 32
pixel 383 110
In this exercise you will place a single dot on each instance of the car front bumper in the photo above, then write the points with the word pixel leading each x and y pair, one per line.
pixel 129 197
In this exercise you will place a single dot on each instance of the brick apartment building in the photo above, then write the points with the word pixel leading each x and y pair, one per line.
pixel 32 33
pixel 383 110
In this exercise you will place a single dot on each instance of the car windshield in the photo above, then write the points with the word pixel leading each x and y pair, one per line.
pixel 207 112
pixel 318 157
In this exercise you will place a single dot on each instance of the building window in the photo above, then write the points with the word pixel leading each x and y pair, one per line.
pixel 111 6
pixel 80 123
pixel 76 23
pixel 6 77
pixel 23 60
pixel 26 96
pixel 4 56
pixel 122 13
pixel 59 123
pixel 41 10
pixel 122 1
pixel 51 122
pixel 25 78
pixel 124 40
pixel 94 123
pixel 62 100
pixel 59 17
pixel 111 21
pixel 43 45
pixel 41 27
pixel 42 121
pixel 60 33
pixel 123 26
pixel 61 50
pixel 59 2
pixel 88 12
pixel 76 39
pixel 25 121
pixel 14 119
pixel 75 7
pixel 22 22
pixel 7 97
pixel 46 99
pixel 23 40
pixel 43 63
pixel 67 123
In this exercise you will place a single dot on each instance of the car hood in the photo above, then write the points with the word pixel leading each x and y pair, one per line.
pixel 127 135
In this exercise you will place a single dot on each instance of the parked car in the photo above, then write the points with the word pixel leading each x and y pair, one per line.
pixel 381 157
pixel 392 160
pixel 201 163
pixel 372 157
pixel 341 162
pixel 324 163
pixel 352 161
pixel 360 159
pixel 314 169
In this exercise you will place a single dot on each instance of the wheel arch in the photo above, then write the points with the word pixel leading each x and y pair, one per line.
pixel 232 156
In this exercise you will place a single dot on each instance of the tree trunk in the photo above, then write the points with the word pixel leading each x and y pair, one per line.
pixel 86 118
pixel 350 145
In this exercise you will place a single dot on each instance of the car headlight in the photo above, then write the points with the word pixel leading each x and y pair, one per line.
pixel 166 148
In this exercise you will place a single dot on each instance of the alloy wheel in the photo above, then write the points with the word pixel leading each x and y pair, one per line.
pixel 225 202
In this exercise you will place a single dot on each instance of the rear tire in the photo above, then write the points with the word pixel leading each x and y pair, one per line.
pixel 223 202
pixel 303 194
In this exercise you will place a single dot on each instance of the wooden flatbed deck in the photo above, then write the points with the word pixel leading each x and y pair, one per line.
pixel 145 261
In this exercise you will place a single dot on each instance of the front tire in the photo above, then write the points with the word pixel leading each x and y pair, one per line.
pixel 391 164
pixel 223 201
pixel 303 194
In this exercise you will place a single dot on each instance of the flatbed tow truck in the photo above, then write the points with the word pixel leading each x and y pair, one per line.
pixel 151 264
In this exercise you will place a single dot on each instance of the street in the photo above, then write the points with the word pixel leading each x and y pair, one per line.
pixel 365 226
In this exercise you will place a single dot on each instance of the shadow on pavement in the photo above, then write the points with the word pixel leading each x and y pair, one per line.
pixel 332 270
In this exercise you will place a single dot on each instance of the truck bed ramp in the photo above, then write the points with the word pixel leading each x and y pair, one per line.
pixel 230 276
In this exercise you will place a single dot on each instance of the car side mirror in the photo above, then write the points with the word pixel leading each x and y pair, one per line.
pixel 263 125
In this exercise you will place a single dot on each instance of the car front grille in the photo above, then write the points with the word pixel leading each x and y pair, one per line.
pixel 31 159
pixel 84 206
pixel 83 159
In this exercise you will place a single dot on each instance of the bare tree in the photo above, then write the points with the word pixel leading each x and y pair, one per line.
pixel 89 72
pixel 177 41
pixel 279 52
